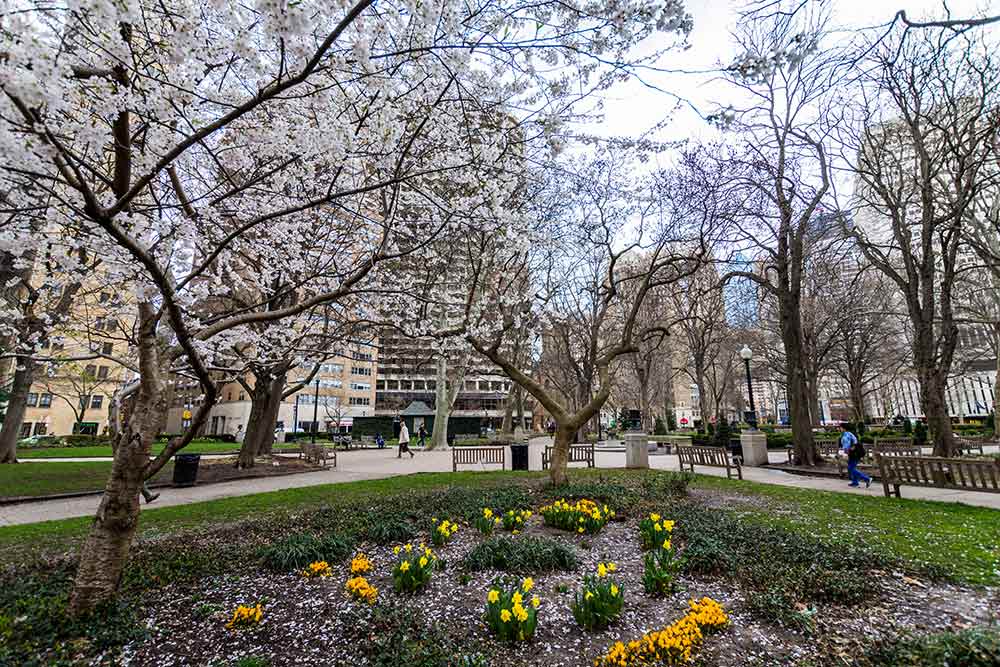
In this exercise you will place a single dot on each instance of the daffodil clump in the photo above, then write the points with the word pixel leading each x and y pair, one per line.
pixel 601 599
pixel 653 530
pixel 246 616
pixel 514 521
pixel 360 564
pixel 584 516
pixel 674 644
pixel 359 589
pixel 661 565
pixel 414 567
pixel 510 613
pixel 317 569
pixel 442 532
pixel 487 522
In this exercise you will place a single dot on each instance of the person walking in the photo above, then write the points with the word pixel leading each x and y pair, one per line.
pixel 854 451
pixel 379 441
pixel 404 441
pixel 421 435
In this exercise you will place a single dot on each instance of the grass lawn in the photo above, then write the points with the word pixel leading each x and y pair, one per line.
pixel 961 540
pixel 196 447
pixel 42 479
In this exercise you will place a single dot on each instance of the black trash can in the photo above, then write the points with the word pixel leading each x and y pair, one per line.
pixel 186 469
pixel 736 448
pixel 519 457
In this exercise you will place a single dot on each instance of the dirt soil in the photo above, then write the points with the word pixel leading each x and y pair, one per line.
pixel 312 622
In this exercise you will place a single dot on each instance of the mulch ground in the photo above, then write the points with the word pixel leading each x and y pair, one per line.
pixel 312 622
pixel 225 470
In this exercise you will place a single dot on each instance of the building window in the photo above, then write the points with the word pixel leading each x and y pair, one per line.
pixel 25 429
pixel 363 356
pixel 361 370
pixel 360 400
pixel 360 386
pixel 243 396
pixel 107 348
pixel 84 401
pixel 96 401
pixel 102 373
pixel 44 400
pixel 90 370
pixel 32 400
pixel 41 428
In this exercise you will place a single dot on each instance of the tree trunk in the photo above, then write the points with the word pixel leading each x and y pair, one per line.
pixel 560 454
pixel 439 438
pixel 798 385
pixel 519 402
pixel 647 418
pixel 103 556
pixel 17 404
pixel 506 426
pixel 996 383
pixel 265 403
pixel 932 395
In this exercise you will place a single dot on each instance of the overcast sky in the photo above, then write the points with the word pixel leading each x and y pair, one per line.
pixel 631 109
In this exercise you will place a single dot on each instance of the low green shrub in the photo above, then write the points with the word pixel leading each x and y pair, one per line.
pixel 660 568
pixel 297 551
pixel 524 554
pixel 975 647
pixel 666 484
pixel 383 527
pixel 37 631
pixel 612 494
pixel 395 635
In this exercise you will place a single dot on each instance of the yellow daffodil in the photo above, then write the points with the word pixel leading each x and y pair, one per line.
pixel 614 589
pixel 654 517
pixel 612 567
pixel 423 561
pixel 493 596
pixel 516 598
pixel 527 584
pixel 395 550
pixel 535 602
pixel 404 566
pixel 409 548
pixel 602 571
pixel 504 615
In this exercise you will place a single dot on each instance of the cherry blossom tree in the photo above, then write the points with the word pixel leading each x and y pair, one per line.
pixel 208 147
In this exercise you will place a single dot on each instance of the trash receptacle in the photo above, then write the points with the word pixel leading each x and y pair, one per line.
pixel 519 457
pixel 186 469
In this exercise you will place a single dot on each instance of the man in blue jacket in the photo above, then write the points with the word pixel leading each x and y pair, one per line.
pixel 854 451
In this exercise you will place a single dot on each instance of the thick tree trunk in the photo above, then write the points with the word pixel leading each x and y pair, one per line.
pixel 17 403
pixel 103 556
pixel 932 395
pixel 560 454
pixel 507 425
pixel 439 438
pixel 265 404
pixel 798 384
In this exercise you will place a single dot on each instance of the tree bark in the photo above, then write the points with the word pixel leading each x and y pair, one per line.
pixel 932 396
pixel 445 397
pixel 17 404
pixel 265 404
pixel 506 426
pixel 103 556
pixel 798 384
pixel 560 454
pixel 996 383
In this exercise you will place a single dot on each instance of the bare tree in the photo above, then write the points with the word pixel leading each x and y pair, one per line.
pixel 781 177
pixel 925 141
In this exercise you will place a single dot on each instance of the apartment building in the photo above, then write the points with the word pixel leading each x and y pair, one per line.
pixel 342 388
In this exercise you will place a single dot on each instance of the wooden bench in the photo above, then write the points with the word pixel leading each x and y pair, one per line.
pixel 938 472
pixel 713 457
pixel 826 447
pixel 318 454
pixel 581 453
pixel 477 455
pixel 887 446
pixel 965 446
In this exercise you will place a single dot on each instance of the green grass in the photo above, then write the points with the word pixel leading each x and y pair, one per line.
pixel 42 479
pixel 961 540
pixel 196 447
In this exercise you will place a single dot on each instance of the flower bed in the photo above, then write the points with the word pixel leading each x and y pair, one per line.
pixel 584 516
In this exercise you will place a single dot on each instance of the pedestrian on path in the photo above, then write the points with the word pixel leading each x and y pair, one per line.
pixel 422 435
pixel 854 451
pixel 379 441
pixel 404 441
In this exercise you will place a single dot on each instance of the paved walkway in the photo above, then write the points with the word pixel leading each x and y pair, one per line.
pixel 375 464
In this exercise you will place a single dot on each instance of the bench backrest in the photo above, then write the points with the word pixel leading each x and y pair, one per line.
pixel 704 456
pixel 478 455
pixel 827 446
pixel 937 471
pixel 891 442
pixel 577 453
pixel 964 445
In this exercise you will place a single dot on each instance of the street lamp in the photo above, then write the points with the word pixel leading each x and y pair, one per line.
pixel 747 355
pixel 315 427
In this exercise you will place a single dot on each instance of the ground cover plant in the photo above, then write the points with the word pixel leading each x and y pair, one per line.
pixel 191 571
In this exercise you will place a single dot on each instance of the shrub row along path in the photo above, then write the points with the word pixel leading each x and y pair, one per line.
pixel 375 464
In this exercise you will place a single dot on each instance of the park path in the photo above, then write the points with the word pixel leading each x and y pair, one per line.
pixel 375 464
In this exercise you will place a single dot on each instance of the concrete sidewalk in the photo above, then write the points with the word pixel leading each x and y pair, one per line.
pixel 375 464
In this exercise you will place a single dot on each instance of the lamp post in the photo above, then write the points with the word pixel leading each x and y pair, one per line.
pixel 747 355
pixel 315 425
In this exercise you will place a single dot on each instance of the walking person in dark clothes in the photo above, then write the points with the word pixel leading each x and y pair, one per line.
pixel 421 435
pixel 855 451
